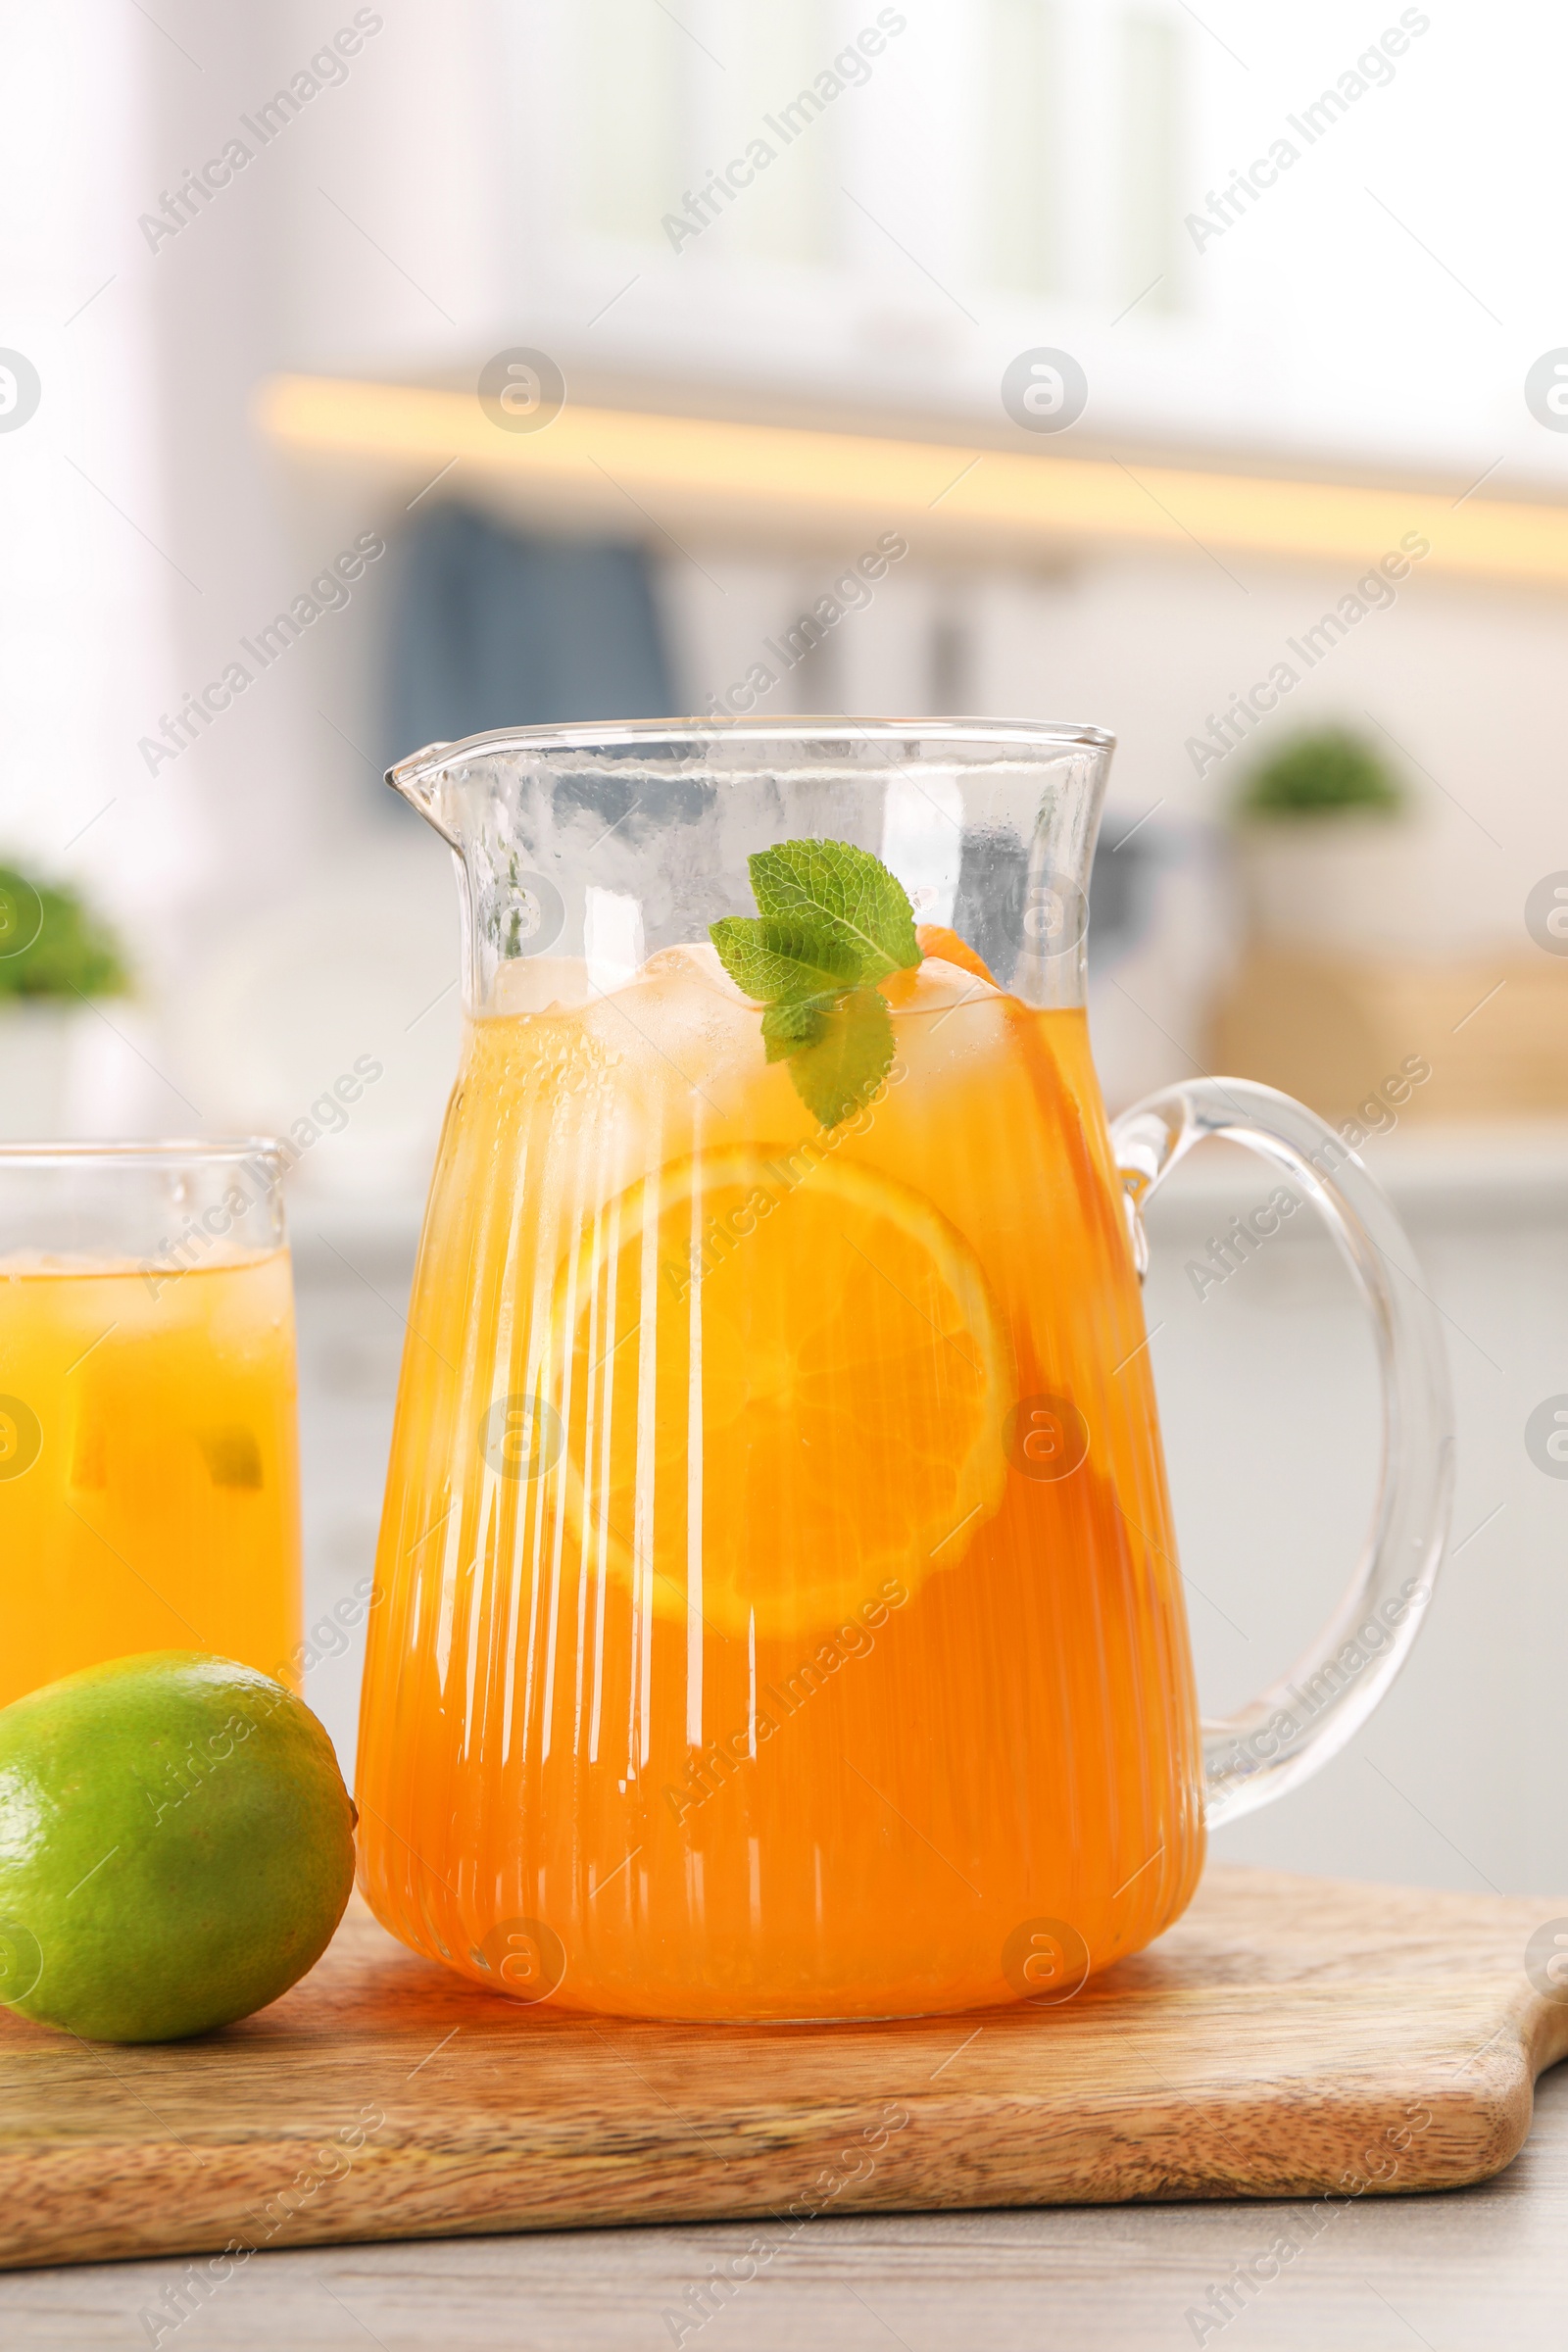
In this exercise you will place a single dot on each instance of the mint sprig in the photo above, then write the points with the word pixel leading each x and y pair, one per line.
pixel 840 894
pixel 831 922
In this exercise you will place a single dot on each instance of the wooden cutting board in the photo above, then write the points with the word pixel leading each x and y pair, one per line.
pixel 1287 2037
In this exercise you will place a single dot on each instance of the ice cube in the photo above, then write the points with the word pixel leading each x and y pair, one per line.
pixel 232 1455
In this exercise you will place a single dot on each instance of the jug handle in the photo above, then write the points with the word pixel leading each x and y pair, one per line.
pixel 1281 1738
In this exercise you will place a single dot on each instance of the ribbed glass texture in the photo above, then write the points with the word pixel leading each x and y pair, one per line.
pixel 777 1613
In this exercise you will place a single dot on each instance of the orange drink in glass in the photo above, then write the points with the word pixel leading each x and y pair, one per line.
pixel 749 1451
pixel 149 1484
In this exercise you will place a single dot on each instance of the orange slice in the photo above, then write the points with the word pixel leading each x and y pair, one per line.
pixel 936 939
pixel 785 1383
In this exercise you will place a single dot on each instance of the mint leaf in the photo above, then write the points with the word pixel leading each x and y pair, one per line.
pixel 832 921
pixel 839 1071
pixel 786 1028
pixel 776 959
pixel 836 891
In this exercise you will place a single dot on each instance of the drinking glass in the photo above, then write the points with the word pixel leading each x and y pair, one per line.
pixel 149 1481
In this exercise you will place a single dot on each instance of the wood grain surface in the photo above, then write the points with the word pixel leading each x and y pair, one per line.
pixel 1289 2038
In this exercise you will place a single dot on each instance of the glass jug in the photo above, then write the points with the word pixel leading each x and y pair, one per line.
pixel 778 1611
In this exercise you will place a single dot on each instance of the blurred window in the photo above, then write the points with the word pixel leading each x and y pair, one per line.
pixel 1052 132
pixel 1021 147
pixel 1151 131
pixel 789 210
pixel 632 80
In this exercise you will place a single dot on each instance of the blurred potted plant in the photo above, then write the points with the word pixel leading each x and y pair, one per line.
pixel 1364 964
pixel 56 956
pixel 1324 846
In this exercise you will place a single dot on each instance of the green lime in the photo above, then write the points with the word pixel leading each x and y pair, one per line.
pixel 177 1847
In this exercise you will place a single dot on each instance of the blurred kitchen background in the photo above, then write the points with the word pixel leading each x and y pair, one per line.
pixel 370 374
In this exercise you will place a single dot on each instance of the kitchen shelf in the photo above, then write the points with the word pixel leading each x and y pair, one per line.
pixel 779 482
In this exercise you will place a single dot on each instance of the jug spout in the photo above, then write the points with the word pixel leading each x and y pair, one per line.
pixel 421 778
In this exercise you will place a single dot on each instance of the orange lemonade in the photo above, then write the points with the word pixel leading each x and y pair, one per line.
pixel 779 1614
pixel 149 1491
